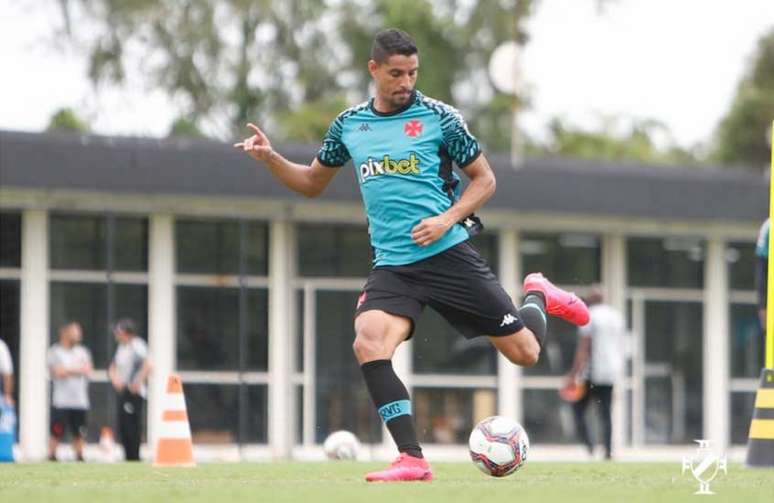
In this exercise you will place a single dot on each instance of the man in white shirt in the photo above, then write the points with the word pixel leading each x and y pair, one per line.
pixel 6 373
pixel 128 372
pixel 599 361
pixel 70 367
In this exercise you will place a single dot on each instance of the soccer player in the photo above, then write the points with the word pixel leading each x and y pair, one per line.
pixel 70 366
pixel 402 145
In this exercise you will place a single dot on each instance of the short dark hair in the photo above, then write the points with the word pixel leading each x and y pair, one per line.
pixel 392 41
pixel 125 325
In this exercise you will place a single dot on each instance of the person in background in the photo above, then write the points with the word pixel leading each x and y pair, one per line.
pixel 6 374
pixel 128 373
pixel 70 367
pixel 762 270
pixel 599 361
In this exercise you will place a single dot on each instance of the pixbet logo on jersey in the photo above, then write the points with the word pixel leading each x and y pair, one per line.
pixel 387 166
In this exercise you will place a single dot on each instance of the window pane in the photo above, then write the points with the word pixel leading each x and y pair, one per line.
pixel 257 415
pixel 10 239
pixel 102 399
pixel 77 242
pixel 213 412
pixel 207 328
pixel 673 372
pixel 333 250
pixel 486 244
pixel 207 246
pixel 742 407
pixel 548 419
pixel 258 329
pixel 257 247
pixel 85 303
pixel 439 348
pixel 343 402
pixel 130 244
pixel 131 301
pixel 9 324
pixel 747 341
pixel 569 259
pixel 741 265
pixel 447 416
pixel 298 403
pixel 672 262
pixel 559 351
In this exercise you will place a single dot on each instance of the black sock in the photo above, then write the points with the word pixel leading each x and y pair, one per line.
pixel 533 313
pixel 392 402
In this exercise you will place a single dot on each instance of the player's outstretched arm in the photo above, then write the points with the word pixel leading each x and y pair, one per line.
pixel 479 190
pixel 309 181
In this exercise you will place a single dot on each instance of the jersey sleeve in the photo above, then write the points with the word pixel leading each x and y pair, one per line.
pixel 333 153
pixel 140 349
pixel 6 363
pixel 461 145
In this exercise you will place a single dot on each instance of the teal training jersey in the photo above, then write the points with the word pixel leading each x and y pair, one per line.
pixel 403 162
pixel 762 247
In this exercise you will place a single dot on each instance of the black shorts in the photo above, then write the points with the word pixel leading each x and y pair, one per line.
pixel 62 419
pixel 457 283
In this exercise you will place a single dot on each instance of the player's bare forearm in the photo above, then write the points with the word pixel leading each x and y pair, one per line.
pixel 581 356
pixel 481 187
pixel 294 176
pixel 309 181
pixel 479 190
pixel 8 384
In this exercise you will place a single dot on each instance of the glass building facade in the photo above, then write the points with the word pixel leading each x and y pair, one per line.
pixel 100 267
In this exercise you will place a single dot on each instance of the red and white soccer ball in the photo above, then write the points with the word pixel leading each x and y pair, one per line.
pixel 498 446
pixel 341 445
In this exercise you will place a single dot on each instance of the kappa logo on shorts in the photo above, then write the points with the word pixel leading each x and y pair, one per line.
pixel 508 319
pixel 360 300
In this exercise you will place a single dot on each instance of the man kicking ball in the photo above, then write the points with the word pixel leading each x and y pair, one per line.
pixel 402 145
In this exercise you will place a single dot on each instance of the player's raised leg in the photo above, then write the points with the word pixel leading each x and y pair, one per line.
pixel 378 334
pixel 542 297
pixel 558 302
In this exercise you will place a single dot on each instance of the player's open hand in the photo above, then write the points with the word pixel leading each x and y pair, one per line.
pixel 430 230
pixel 258 145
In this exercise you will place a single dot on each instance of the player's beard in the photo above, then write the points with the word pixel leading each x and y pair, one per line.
pixel 400 99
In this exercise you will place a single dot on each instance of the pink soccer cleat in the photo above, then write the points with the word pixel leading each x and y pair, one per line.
pixel 406 468
pixel 565 305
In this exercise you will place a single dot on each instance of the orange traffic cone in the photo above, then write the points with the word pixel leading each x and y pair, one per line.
pixel 174 447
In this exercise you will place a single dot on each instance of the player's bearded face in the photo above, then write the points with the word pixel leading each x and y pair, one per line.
pixel 395 78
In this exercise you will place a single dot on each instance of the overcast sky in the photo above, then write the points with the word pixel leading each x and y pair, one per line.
pixel 676 61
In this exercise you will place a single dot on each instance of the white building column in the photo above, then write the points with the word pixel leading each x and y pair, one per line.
pixel 33 374
pixel 614 271
pixel 282 259
pixel 161 314
pixel 614 291
pixel 716 345
pixel 509 394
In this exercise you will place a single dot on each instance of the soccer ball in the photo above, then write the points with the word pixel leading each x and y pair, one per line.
pixel 498 446
pixel 341 445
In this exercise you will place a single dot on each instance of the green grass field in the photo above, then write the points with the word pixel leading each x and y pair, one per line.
pixel 342 482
